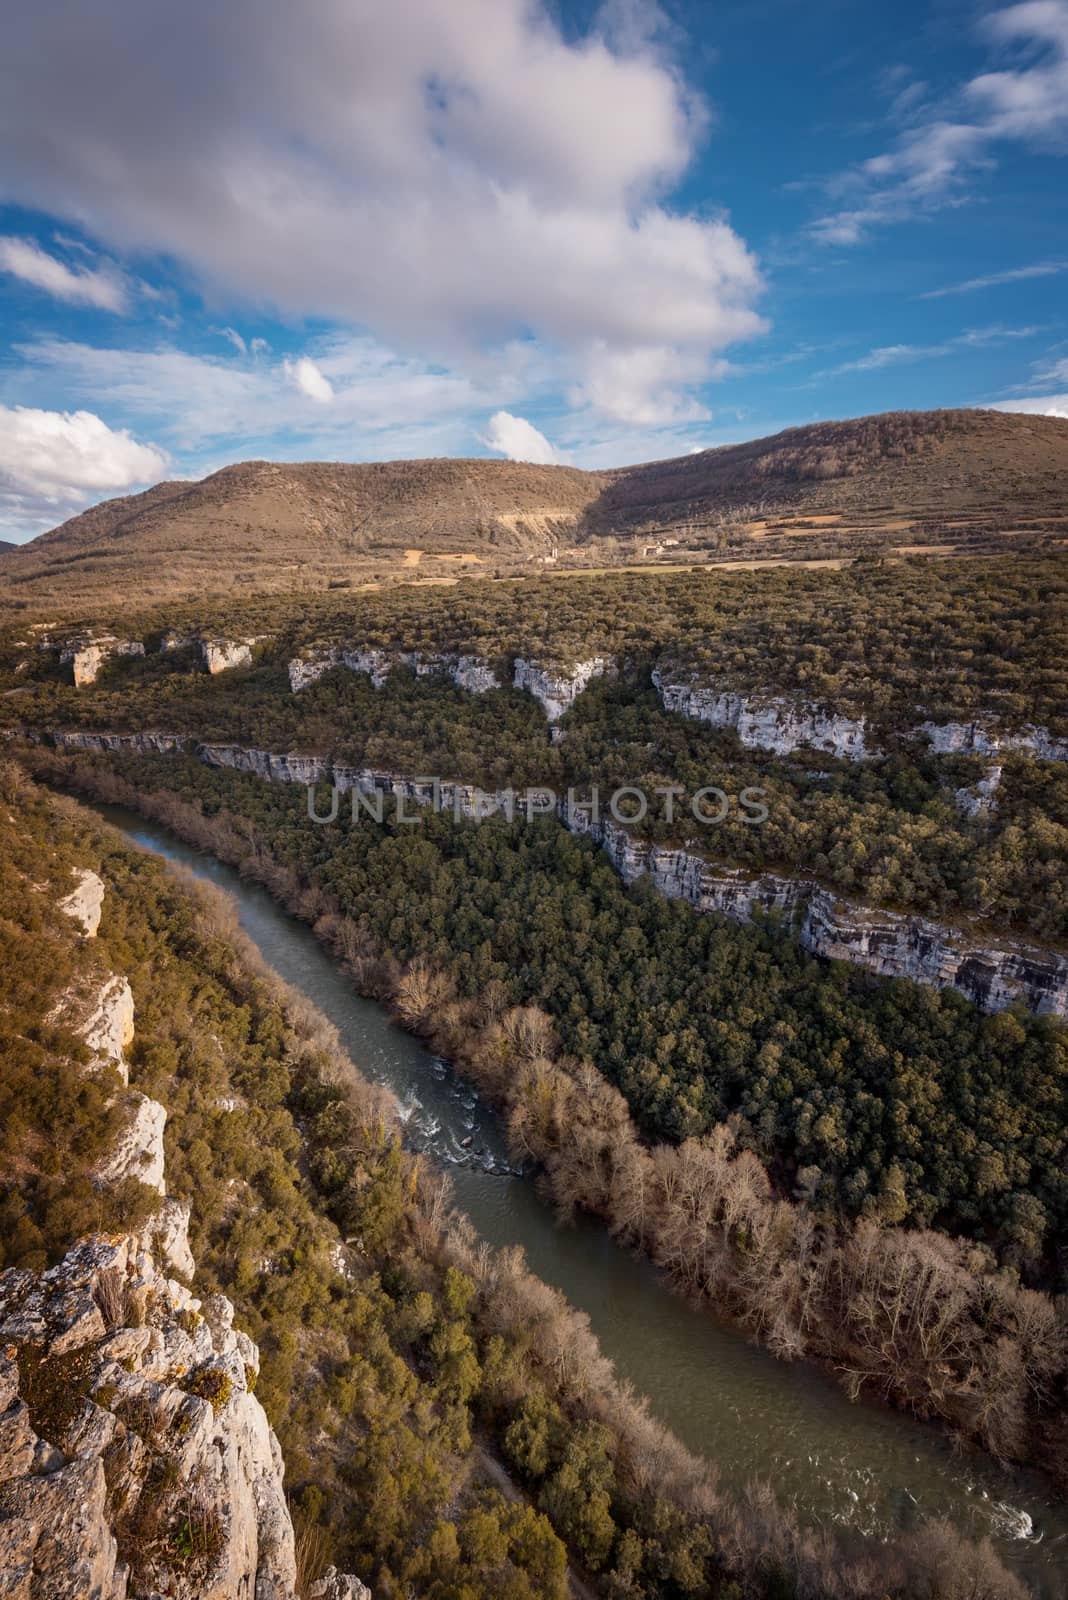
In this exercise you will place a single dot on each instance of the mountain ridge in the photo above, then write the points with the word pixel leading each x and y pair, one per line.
pixel 261 526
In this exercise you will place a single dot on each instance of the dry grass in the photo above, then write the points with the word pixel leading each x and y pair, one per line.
pixel 835 489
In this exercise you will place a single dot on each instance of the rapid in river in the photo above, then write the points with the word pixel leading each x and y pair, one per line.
pixel 851 1466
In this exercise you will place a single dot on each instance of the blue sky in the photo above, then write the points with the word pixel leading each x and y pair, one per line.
pixel 587 233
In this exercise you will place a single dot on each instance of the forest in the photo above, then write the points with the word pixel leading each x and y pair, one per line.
pixel 887 832
pixel 398 1354
pixel 889 639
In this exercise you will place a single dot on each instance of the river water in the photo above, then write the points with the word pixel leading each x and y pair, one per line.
pixel 851 1466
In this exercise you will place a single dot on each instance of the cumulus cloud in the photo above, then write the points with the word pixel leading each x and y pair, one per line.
pixel 449 177
pixel 304 375
pixel 382 402
pixel 102 287
pixel 53 462
pixel 940 149
pixel 519 439
pixel 645 386
pixel 1039 405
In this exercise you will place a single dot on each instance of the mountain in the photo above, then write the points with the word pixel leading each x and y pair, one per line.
pixel 898 481
pixel 6 545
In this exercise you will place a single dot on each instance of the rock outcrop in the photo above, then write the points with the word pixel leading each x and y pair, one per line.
pixel 141 744
pixel 138 1152
pixel 992 973
pixel 557 687
pixel 981 798
pixel 467 672
pixel 335 1585
pixel 767 722
pixel 220 655
pixel 309 668
pixel 85 901
pixel 134 1459
pixel 984 738
pixel 781 725
pixel 109 1027
pixel 87 656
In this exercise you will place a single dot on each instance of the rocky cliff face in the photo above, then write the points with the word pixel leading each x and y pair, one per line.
pixel 135 1460
pixel 767 722
pixel 87 656
pixel 85 902
pixel 557 687
pixel 983 738
pixel 992 973
pixel 220 655
pixel 109 1027
pixel 468 672
pixel 782 725
pixel 981 798
pixel 142 744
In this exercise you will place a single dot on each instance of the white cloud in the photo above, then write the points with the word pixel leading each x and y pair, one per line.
pixel 102 287
pixel 519 439
pixel 54 462
pixel 934 157
pixel 645 386
pixel 993 280
pixel 305 376
pixel 449 176
pixel 384 405
pixel 234 338
pixel 891 355
pixel 1039 405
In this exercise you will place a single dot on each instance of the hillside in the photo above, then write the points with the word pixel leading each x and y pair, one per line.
pixel 941 480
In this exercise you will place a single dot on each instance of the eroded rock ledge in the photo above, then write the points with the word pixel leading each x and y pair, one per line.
pixel 135 1460
pixel 990 972
pixel 782 725
pixel 554 685
pixel 468 672
pixel 768 722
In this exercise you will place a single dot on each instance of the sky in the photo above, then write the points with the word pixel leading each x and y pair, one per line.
pixel 579 232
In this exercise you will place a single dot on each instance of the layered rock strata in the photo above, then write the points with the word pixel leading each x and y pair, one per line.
pixel 991 972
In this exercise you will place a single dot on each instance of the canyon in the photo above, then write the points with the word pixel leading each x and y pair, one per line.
pixel 990 971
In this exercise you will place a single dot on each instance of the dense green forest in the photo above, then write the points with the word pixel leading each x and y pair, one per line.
pixel 887 832
pixel 391 1362
pixel 949 639
pixel 882 1098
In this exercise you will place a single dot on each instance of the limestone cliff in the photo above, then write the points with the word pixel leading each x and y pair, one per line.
pixel 557 686
pixel 85 902
pixel 220 655
pixel 135 1460
pixel 984 738
pixel 769 722
pixel 782 724
pixel 87 656
pixel 992 972
pixel 467 672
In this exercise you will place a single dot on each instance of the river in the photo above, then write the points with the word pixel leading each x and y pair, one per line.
pixel 855 1466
